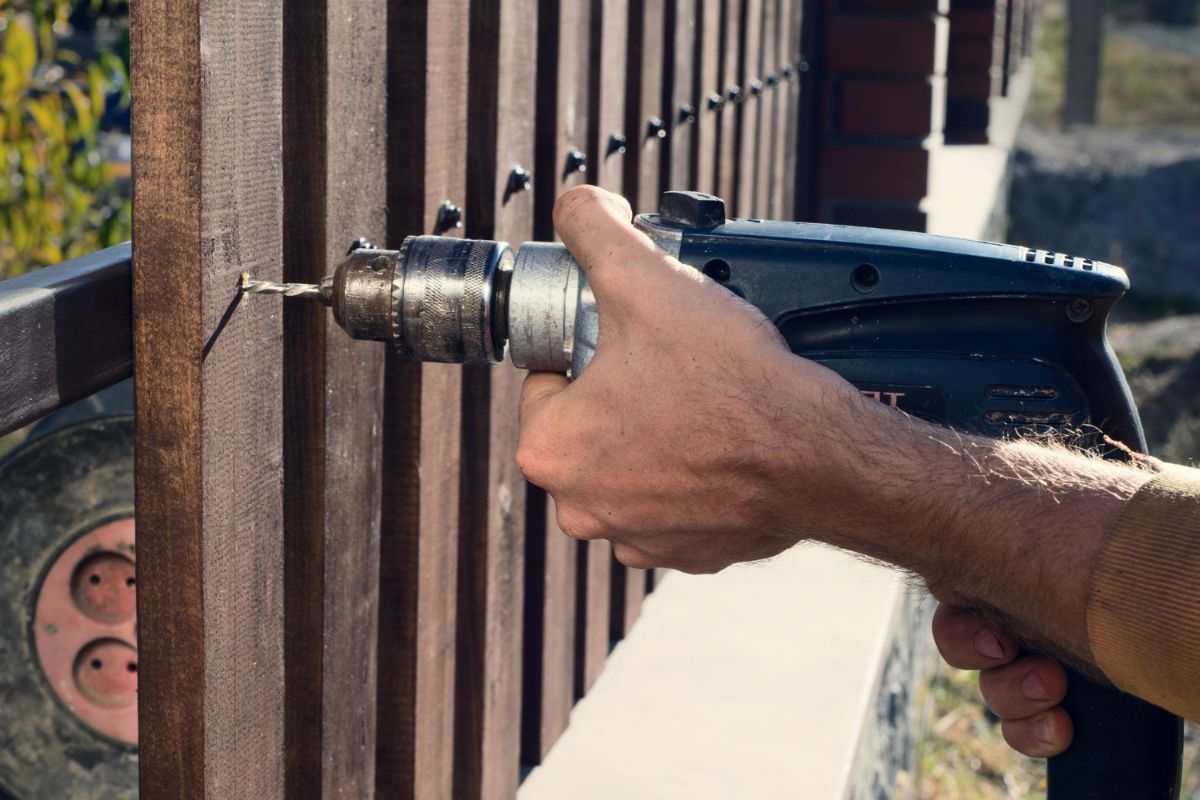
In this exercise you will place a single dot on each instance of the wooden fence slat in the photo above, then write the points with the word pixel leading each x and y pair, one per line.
pixel 645 114
pixel 334 140
pixel 770 108
pixel 731 115
pixel 680 102
pixel 607 145
pixel 206 137
pixel 753 88
pixel 792 57
pixel 708 77
pixel 492 546
pixel 548 678
pixel 783 108
pixel 427 105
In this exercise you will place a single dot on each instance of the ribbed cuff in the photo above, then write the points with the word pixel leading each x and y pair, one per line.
pixel 1144 607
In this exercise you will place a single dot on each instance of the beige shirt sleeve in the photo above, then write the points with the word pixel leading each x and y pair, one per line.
pixel 1144 607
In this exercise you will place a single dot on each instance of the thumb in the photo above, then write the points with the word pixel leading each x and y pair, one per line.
pixel 618 259
pixel 536 391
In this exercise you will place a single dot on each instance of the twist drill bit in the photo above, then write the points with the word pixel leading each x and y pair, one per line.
pixel 310 291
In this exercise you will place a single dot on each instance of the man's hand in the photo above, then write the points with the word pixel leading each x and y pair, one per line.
pixel 1022 690
pixel 681 441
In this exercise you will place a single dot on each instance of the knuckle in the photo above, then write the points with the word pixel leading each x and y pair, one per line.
pixel 576 524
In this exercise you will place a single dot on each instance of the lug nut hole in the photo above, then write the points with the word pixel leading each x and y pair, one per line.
pixel 717 269
pixel 865 278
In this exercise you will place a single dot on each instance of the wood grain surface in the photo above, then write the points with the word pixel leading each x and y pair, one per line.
pixel 710 94
pixel 753 89
pixel 207 175
pixel 769 103
pixel 680 100
pixel 334 191
pixel 492 546
pixel 729 136
pixel 426 166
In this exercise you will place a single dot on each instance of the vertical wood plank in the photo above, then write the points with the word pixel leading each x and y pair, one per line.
pixel 793 58
pixel 708 76
pixel 730 120
pixel 679 93
pixel 427 102
pixel 770 108
pixel 753 89
pixel 607 145
pixel 645 113
pixel 492 546
pixel 783 108
pixel 548 678
pixel 207 136
pixel 334 191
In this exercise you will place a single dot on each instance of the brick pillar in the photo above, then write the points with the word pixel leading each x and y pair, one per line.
pixel 882 109
pixel 976 68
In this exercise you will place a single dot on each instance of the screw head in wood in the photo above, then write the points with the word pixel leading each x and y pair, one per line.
pixel 756 88
pixel 715 101
pixel 687 114
pixel 616 144
pixel 449 216
pixel 655 128
pixel 519 180
pixel 735 93
pixel 576 162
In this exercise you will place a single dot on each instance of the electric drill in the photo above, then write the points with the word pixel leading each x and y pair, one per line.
pixel 985 338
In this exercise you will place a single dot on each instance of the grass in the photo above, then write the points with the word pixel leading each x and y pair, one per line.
pixel 1140 87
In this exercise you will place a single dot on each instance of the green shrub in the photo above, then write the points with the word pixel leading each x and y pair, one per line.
pixel 58 195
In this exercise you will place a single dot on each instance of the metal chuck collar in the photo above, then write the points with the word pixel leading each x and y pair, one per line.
pixel 436 299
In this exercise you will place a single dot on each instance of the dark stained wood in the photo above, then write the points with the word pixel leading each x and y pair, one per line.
pixel 679 92
pixel 492 545
pixel 68 333
pixel 334 191
pixel 709 91
pixel 729 136
pixel 766 176
pixel 644 109
pixel 427 104
pixel 794 104
pixel 209 449
pixel 562 105
pixel 606 125
pixel 606 93
pixel 549 685
pixel 754 89
pixel 783 108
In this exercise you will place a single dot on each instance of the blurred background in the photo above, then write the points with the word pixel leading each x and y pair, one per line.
pixel 1114 177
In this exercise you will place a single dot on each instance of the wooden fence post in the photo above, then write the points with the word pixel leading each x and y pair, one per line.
pixel 334 153
pixel 207 129
pixel 492 545
pixel 427 106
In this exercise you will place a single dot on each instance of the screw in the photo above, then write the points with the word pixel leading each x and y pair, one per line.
pixel 715 102
pixel 360 243
pixel 576 162
pixel 655 129
pixel 449 216
pixel 519 180
pixel 1080 310
pixel 756 88
pixel 616 144
pixel 687 114
pixel 735 93
pixel 802 64
pixel 788 71
pixel 772 79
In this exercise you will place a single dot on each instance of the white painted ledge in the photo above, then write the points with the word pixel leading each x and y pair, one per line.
pixel 751 683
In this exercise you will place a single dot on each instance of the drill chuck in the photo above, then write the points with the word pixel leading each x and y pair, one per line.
pixel 464 301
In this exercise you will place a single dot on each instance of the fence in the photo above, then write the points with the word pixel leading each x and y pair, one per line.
pixel 345 587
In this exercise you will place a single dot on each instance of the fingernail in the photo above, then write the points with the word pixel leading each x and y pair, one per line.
pixel 987 645
pixel 1033 688
pixel 1044 731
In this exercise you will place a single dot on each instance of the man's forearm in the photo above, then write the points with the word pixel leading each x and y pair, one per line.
pixel 1002 525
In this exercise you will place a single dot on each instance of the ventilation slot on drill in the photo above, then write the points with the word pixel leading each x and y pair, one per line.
pixel 1023 392
pixel 1026 418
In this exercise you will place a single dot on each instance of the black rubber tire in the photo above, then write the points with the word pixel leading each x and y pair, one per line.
pixel 52 490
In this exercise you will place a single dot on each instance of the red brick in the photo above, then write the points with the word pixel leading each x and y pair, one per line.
pixel 896 45
pixel 900 218
pixel 892 6
pixel 969 53
pixel 972 22
pixel 884 173
pixel 968 85
pixel 892 108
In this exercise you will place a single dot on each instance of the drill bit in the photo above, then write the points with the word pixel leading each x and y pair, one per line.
pixel 311 291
